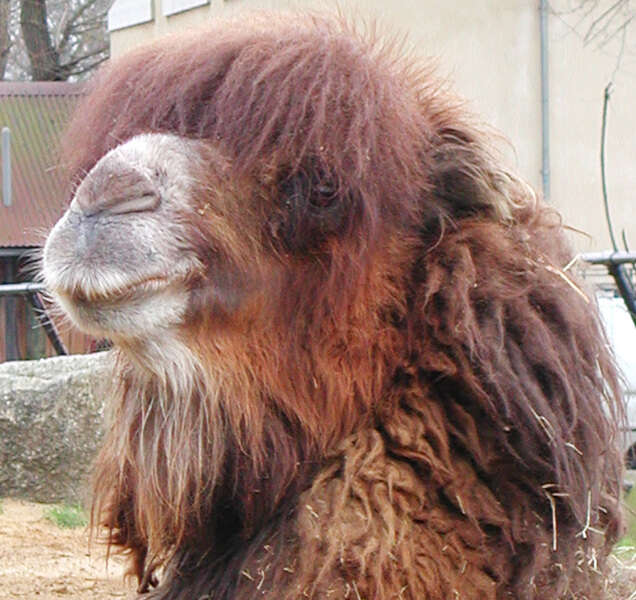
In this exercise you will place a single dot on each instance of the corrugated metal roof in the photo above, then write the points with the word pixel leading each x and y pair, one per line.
pixel 36 113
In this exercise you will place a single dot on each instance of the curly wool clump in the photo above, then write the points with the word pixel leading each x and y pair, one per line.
pixel 413 401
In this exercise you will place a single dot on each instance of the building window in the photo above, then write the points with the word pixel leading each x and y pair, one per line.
pixel 170 7
pixel 125 13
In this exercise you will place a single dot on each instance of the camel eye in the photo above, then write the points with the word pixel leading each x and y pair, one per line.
pixel 326 189
pixel 304 192
pixel 310 210
pixel 323 195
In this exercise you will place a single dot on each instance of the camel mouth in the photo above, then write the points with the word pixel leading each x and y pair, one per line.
pixel 131 310
pixel 88 294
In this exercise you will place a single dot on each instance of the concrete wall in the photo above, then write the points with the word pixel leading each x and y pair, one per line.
pixel 51 425
pixel 489 50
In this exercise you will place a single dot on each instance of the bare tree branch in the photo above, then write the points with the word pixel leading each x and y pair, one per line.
pixel 75 19
pixel 599 21
pixel 610 228
pixel 603 20
pixel 90 67
pixel 99 52
pixel 54 39
pixel 621 51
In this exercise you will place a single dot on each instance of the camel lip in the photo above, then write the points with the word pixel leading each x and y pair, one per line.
pixel 84 295
pixel 135 309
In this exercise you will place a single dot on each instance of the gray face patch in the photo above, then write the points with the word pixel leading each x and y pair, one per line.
pixel 117 260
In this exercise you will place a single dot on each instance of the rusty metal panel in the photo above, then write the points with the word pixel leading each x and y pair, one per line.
pixel 36 113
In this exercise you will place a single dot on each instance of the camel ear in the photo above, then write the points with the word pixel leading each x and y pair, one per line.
pixel 466 179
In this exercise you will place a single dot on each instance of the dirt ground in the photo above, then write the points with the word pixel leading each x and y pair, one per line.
pixel 621 583
pixel 40 561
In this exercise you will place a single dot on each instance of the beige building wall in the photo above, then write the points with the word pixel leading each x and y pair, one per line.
pixel 489 52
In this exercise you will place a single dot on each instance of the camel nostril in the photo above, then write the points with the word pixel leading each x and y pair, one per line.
pixel 145 202
pixel 110 188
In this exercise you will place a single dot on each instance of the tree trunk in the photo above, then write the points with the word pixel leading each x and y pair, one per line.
pixel 44 59
pixel 5 43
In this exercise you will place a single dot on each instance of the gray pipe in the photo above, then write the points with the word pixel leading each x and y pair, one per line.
pixel 609 258
pixel 16 289
pixel 6 166
pixel 545 101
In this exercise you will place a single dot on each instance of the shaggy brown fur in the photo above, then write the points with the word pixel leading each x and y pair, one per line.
pixel 398 392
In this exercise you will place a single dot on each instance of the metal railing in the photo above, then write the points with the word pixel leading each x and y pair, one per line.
pixel 617 264
pixel 32 291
